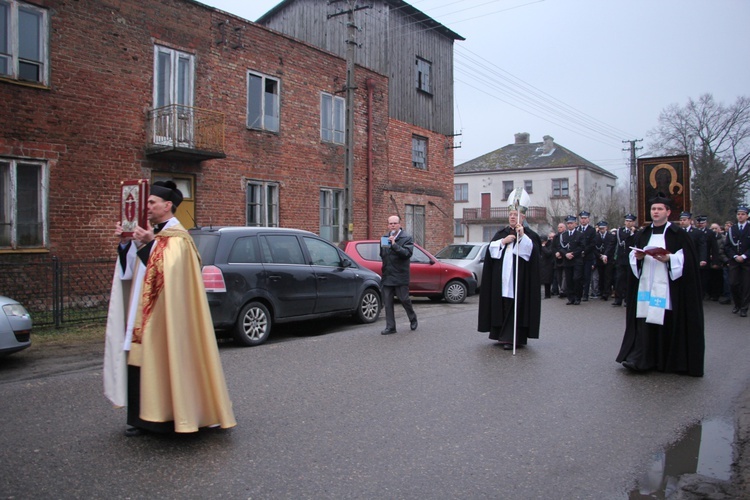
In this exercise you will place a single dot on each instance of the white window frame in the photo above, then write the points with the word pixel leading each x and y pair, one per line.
pixel 332 214
pixel 419 148
pixel 332 118
pixel 423 75
pixel 9 197
pixel 262 210
pixel 461 192
pixel 11 56
pixel 458 228
pixel 269 103
pixel 560 188
pixel 179 88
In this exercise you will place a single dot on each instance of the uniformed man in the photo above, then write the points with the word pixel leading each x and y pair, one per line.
pixel 604 249
pixel 570 249
pixel 711 273
pixel 737 248
pixel 624 240
pixel 699 240
pixel 589 258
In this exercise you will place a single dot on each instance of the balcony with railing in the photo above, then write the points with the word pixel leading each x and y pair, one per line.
pixel 492 215
pixel 179 132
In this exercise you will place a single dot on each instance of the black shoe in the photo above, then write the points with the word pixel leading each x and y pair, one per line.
pixel 630 366
pixel 507 347
pixel 725 300
pixel 735 310
pixel 578 302
pixel 605 298
pixel 413 324
pixel 561 296
pixel 617 303
pixel 570 302
pixel 134 432
pixel 388 331
pixel 547 297
pixel 743 313
pixel 585 299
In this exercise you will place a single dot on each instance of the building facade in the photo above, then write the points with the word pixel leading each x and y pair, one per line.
pixel 416 53
pixel 559 183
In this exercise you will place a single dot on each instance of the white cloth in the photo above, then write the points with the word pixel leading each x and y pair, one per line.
pixel 523 250
pixel 653 285
pixel 124 297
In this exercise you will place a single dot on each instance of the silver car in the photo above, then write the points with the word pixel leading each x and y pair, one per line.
pixel 469 255
pixel 15 326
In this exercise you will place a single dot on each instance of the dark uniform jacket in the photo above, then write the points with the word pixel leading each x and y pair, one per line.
pixel 699 241
pixel 737 243
pixel 396 260
pixel 568 243
pixel 623 242
pixel 605 246
pixel 588 242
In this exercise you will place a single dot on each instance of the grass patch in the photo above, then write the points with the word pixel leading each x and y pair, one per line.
pixel 79 333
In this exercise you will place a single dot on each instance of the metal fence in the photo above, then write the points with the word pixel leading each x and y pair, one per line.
pixel 58 292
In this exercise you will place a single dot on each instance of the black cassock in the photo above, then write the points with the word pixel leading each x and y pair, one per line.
pixel 677 345
pixel 496 311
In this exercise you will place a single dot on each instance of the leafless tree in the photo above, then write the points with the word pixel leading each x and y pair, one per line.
pixel 717 138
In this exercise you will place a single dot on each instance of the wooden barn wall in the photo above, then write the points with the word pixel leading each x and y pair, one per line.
pixel 389 42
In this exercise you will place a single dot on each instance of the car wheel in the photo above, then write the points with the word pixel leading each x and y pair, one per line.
pixel 253 324
pixel 455 292
pixel 368 307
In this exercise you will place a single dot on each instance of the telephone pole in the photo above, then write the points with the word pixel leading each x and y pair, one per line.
pixel 351 87
pixel 633 175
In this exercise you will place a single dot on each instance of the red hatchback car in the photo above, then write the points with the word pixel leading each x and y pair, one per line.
pixel 429 277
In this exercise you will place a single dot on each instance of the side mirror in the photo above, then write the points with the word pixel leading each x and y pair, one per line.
pixel 346 263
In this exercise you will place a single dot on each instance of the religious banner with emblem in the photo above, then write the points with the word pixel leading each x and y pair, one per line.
pixel 133 205
pixel 669 175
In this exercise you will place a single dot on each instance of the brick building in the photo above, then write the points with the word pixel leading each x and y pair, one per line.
pixel 247 121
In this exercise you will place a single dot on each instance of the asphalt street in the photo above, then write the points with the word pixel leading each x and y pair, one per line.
pixel 335 410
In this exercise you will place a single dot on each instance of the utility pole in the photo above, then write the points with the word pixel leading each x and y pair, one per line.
pixel 633 175
pixel 351 87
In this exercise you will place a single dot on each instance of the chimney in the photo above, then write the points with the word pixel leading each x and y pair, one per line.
pixel 522 138
pixel 549 144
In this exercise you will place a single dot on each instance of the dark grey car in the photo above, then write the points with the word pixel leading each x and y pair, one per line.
pixel 256 277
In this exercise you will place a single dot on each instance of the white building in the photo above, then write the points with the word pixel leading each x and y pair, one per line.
pixel 558 181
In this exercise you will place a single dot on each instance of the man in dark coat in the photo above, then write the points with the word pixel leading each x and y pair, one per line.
pixel 664 321
pixel 714 259
pixel 699 241
pixel 396 249
pixel 501 294
pixel 624 240
pixel 569 248
pixel 588 255
pixel 604 249
pixel 737 249
pixel 547 264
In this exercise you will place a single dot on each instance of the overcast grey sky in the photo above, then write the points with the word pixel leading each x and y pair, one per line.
pixel 590 73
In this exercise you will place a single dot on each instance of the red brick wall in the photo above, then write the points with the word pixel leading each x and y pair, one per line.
pixel 431 188
pixel 91 122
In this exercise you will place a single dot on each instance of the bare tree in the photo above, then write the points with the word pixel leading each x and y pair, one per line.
pixel 717 138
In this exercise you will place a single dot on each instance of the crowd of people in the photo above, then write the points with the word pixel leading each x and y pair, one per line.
pixel 662 272
pixel 579 263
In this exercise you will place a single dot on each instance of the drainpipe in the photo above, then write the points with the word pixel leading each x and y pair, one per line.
pixel 370 84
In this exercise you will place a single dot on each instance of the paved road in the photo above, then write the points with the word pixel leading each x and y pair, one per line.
pixel 335 410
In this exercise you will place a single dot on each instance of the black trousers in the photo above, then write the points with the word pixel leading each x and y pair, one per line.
pixel 739 283
pixel 402 292
pixel 134 405
pixel 621 280
pixel 574 280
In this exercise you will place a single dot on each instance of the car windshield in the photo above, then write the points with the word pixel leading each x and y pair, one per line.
pixel 458 252
pixel 206 244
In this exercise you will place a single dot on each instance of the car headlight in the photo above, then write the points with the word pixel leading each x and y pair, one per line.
pixel 15 310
